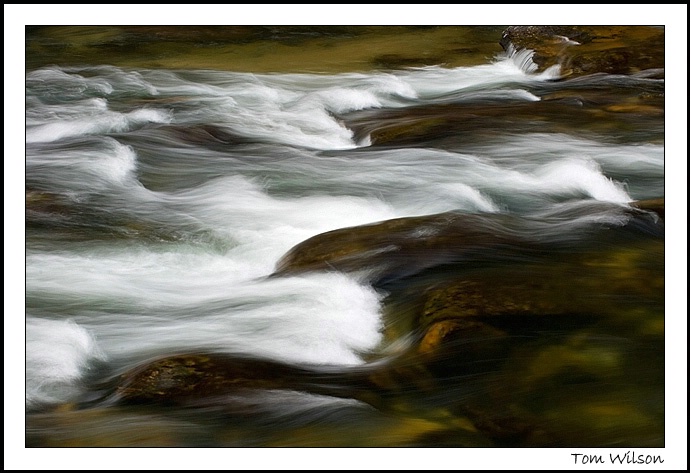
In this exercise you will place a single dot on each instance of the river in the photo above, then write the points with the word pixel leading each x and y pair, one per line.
pixel 162 204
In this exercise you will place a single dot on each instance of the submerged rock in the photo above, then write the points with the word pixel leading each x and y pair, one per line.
pixel 568 290
pixel 495 296
pixel 455 346
pixel 582 50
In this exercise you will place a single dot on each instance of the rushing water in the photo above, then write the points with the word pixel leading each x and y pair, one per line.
pixel 159 203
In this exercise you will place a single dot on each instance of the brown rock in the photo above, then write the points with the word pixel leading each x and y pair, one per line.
pixel 201 379
pixel 401 247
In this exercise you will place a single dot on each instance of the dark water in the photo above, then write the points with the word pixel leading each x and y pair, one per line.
pixel 161 201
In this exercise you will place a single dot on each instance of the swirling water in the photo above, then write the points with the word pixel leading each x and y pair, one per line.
pixel 160 201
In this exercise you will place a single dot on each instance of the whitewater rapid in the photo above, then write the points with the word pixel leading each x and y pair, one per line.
pixel 161 244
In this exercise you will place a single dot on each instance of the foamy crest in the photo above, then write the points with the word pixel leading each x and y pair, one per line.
pixel 87 168
pixel 390 86
pixel 521 58
pixel 321 318
pixel 592 164
pixel 563 178
pixel 256 227
pixel 297 125
pixel 85 81
pixel 89 121
pixel 463 196
pixel 65 103
pixel 57 355
pixel 325 319
pixel 341 100
pixel 301 119
pixel 580 177
pixel 536 146
pixel 63 84
pixel 265 226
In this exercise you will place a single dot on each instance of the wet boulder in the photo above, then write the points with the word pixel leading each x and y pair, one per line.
pixel 454 347
pixel 208 378
pixel 184 378
pixel 397 248
pixel 213 379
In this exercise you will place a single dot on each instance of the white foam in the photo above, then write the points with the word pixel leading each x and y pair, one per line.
pixel 579 176
pixel 83 81
pixel 390 86
pixel 241 208
pixel 588 164
pixel 62 83
pixel 203 304
pixel 521 58
pixel 292 109
pixel 422 181
pixel 85 169
pixel 563 178
pixel 535 146
pixel 57 354
pixel 296 109
pixel 462 196
pixel 94 121
pixel 66 104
